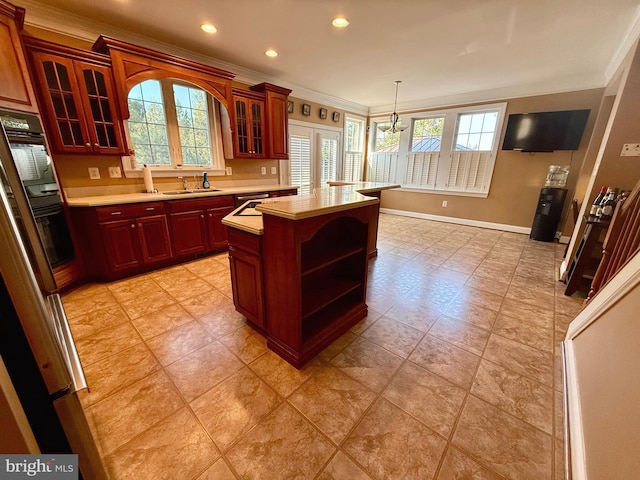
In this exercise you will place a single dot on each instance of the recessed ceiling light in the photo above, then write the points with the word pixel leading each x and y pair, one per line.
pixel 340 22
pixel 209 28
pixel 271 53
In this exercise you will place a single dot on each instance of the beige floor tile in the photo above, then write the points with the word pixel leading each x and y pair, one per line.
pixel 395 336
pixel 458 466
pixel 528 361
pixel 118 371
pixel 529 334
pixel 475 296
pixel 88 324
pixel 497 285
pixel 391 444
pixel 472 314
pixel 337 346
pixel 234 406
pixel 218 471
pixel 283 445
pixel 147 303
pixel 429 398
pixel 341 468
pixel 87 304
pixel 134 288
pixel 281 376
pixel 162 320
pixel 199 371
pixel 412 314
pixel 444 359
pixel 332 401
pixel 188 288
pixel 179 341
pixel 460 334
pixel 528 313
pixel 177 447
pixel 205 304
pixel 107 342
pixel 130 411
pixel 368 363
pixel 507 445
pixel 246 343
pixel 521 397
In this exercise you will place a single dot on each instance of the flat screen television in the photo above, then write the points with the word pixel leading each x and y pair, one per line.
pixel 545 131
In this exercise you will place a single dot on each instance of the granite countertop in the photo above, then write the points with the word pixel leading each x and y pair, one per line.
pixel 342 196
pixel 102 200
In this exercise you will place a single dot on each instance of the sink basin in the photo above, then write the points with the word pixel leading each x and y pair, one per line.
pixel 185 192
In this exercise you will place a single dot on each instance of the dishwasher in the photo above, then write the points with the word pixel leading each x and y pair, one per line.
pixel 242 198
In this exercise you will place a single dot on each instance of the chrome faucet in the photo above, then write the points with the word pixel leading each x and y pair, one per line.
pixel 185 184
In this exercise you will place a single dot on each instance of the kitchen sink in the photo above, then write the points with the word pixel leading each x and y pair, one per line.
pixel 184 192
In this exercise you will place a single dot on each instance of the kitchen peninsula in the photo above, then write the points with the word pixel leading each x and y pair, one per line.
pixel 299 266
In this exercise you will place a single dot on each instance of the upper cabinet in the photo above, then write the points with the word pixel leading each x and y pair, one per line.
pixel 249 129
pixel 277 134
pixel 78 99
pixel 16 92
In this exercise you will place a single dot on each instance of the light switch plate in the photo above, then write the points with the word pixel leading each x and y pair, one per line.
pixel 630 150
pixel 94 173
pixel 115 172
pixel 229 171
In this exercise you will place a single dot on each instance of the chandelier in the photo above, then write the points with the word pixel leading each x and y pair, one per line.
pixel 394 121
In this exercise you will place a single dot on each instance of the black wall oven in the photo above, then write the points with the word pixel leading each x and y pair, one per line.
pixel 28 149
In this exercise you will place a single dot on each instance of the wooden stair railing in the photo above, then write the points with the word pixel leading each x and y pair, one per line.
pixel 621 242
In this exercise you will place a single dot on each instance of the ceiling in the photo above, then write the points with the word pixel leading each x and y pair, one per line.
pixel 444 52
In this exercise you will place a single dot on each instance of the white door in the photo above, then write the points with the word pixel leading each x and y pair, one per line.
pixel 314 157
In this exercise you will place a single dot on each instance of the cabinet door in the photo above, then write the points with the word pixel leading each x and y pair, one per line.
pixel 189 232
pixel 121 244
pixel 217 232
pixel 153 234
pixel 278 126
pixel 63 110
pixel 249 137
pixel 246 283
pixel 15 86
pixel 98 95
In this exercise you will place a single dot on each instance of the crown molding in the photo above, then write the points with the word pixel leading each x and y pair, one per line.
pixel 75 26
pixel 629 42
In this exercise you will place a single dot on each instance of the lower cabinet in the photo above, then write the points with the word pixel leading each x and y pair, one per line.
pixel 247 277
pixel 196 225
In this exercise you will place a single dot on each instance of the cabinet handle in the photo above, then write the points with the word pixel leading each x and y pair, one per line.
pixel 97 145
pixel 88 145
pixel 201 216
pixel 116 213
pixel 150 209
pixel 210 215
pixel 133 225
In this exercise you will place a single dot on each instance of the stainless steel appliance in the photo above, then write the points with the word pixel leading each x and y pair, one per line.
pixel 36 345
pixel 33 164
pixel 241 198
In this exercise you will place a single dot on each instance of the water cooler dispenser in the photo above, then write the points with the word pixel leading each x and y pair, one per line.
pixel 550 203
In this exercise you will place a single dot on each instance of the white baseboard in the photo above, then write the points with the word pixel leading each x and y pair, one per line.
pixel 465 221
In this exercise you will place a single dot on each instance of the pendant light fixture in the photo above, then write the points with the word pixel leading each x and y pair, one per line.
pixel 394 121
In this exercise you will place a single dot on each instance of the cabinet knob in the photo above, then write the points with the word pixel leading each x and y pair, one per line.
pixel 211 215
pixel 133 225
pixel 88 145
pixel 201 216
pixel 96 145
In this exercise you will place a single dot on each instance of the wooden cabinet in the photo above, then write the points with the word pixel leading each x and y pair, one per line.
pixel 248 138
pixel 16 92
pixel 247 280
pixel 315 276
pixel 277 119
pixel 196 225
pixel 78 99
pixel 139 237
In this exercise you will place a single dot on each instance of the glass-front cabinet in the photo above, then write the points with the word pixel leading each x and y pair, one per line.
pixel 249 141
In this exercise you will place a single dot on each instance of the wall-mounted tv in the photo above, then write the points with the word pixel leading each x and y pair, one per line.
pixel 545 131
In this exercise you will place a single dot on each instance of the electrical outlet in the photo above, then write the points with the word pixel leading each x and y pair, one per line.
pixel 263 170
pixel 94 173
pixel 444 203
pixel 630 150
pixel 115 172
pixel 274 170
pixel 229 171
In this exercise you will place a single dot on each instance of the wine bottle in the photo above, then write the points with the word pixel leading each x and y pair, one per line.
pixel 609 206
pixel 602 202
pixel 597 201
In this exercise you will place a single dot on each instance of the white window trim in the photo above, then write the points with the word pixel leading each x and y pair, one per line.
pixel 363 139
pixel 220 132
pixel 448 139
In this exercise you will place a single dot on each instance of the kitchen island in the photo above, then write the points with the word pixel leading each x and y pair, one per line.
pixel 299 267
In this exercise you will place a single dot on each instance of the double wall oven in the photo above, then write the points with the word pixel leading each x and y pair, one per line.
pixel 28 149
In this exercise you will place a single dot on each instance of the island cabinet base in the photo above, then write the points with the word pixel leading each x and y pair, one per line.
pixel 315 278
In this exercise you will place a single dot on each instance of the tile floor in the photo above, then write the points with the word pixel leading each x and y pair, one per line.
pixel 455 373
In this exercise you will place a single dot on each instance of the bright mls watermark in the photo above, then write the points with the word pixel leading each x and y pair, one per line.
pixel 50 467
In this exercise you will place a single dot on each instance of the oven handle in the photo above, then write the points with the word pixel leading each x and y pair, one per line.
pixel 66 343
